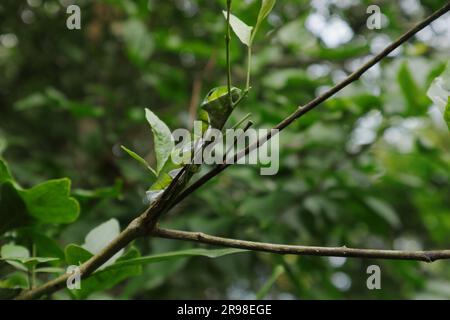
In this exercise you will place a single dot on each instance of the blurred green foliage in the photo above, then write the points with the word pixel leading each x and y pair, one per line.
pixel 369 168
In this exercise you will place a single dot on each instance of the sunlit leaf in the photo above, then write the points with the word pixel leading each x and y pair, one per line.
pixel 240 28
pixel 164 142
pixel 99 237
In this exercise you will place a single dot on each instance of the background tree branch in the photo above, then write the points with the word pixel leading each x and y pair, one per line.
pixel 199 237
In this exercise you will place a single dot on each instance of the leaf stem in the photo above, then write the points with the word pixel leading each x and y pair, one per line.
pixel 249 67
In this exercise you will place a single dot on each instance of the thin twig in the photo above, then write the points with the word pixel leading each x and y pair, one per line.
pixel 199 237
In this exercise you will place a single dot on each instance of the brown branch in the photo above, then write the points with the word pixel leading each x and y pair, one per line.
pixel 302 110
pixel 199 237
pixel 146 222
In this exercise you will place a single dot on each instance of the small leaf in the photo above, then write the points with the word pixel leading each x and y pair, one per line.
pixel 210 253
pixel 164 143
pixel 50 202
pixel 76 255
pixel 439 93
pixel 384 210
pixel 12 251
pixel 137 157
pixel 13 254
pixel 49 270
pixel 266 8
pixel 240 28
pixel 99 237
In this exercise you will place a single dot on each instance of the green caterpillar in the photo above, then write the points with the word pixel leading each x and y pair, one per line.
pixel 214 112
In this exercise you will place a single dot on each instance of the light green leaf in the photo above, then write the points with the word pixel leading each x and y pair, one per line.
pixel 12 251
pixel 163 139
pixel 266 8
pixel 384 210
pixel 99 237
pixel 240 28
pixel 137 157
pixel 12 254
pixel 439 93
pixel 50 202
pixel 210 253
pixel 49 270
pixel 277 272
pixel 19 257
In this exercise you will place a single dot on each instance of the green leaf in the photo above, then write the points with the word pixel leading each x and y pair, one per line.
pixel 439 93
pixel 164 143
pixel 210 253
pixel 384 210
pixel 240 28
pixel 14 280
pixel 49 270
pixel 50 202
pixel 12 251
pixel 13 254
pixel 30 262
pixel 138 158
pixel 19 257
pixel 277 272
pixel 76 255
pixel 99 237
pixel 13 213
pixel 109 277
pixel 266 8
